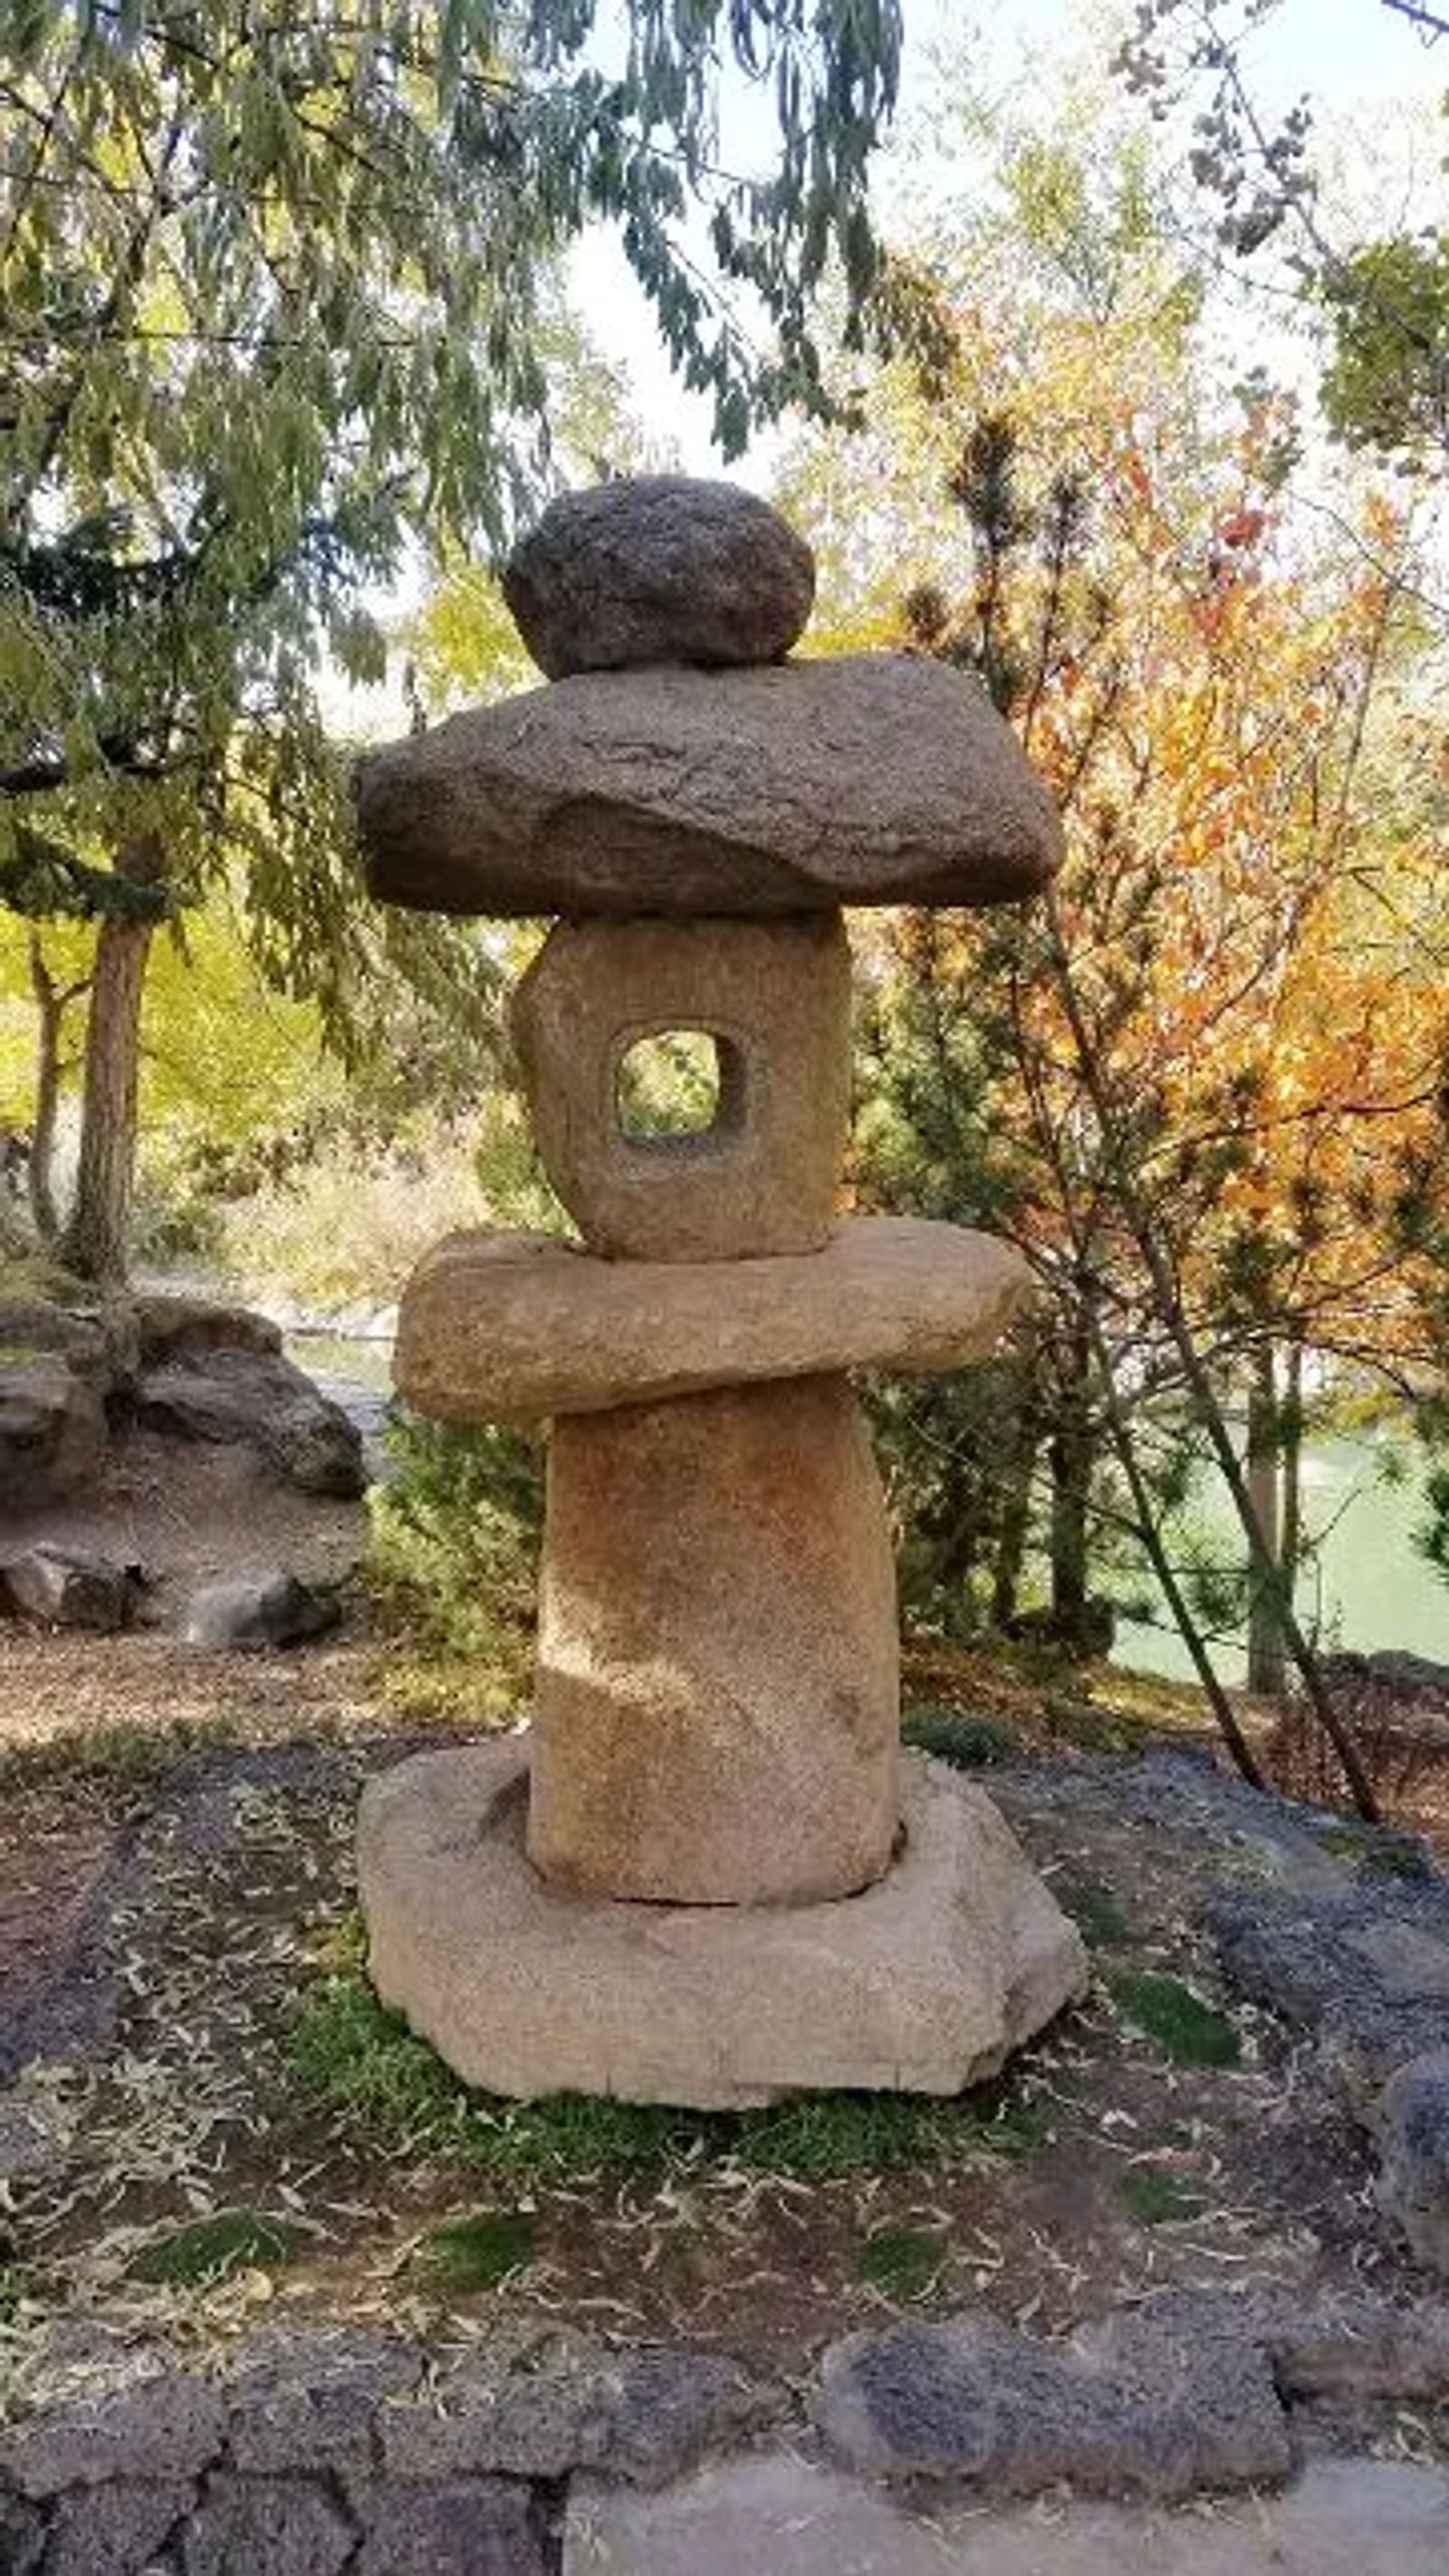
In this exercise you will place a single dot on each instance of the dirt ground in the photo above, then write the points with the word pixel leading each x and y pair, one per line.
pixel 177 1905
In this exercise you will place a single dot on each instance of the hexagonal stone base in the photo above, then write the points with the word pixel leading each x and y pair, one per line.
pixel 923 1983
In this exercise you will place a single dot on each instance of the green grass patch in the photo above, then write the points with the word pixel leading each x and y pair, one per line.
pixel 1094 1910
pixel 902 2262
pixel 123 1755
pixel 462 2255
pixel 363 2062
pixel 1176 2020
pixel 235 2240
pixel 968 1743
pixel 1155 2198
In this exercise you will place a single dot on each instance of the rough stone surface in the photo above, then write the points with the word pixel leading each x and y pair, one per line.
pixel 65 1588
pixel 52 1428
pixel 175 1328
pixel 29 1325
pixel 226 1394
pixel 509 1327
pixel 265 2527
pixel 775 997
pixel 1361 1963
pixel 309 2402
pixel 22 2537
pixel 471 2527
pixel 1411 2122
pixel 132 2419
pixel 645 2414
pixel 717 1709
pixel 778 2515
pixel 1362 2348
pixel 114 2530
pixel 275 1608
pixel 877 778
pixel 1159 2403
pixel 924 1983
pixel 659 568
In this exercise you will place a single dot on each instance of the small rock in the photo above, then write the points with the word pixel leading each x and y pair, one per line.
pixel 469 2527
pixel 135 2418
pixel 114 2530
pixel 251 1611
pixel 66 1588
pixel 1156 2403
pixel 659 568
pixel 266 2527
pixel 1411 2122
pixel 52 1428
pixel 308 2401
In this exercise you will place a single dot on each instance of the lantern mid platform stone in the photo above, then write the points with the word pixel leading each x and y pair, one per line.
pixel 923 1984
pixel 498 1327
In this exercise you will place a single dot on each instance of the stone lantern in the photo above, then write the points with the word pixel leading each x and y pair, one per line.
pixel 706 1874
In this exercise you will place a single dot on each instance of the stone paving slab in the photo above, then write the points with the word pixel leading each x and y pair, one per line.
pixel 779 2515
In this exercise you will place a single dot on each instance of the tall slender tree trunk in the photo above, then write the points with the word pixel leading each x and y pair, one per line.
pixel 1015 1526
pixel 1070 1455
pixel 95 1240
pixel 1290 1425
pixel 1267 1657
pixel 50 1014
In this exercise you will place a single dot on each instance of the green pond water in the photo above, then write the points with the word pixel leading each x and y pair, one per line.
pixel 1369 1586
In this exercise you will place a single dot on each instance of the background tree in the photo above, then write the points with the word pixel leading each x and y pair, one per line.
pixel 272 315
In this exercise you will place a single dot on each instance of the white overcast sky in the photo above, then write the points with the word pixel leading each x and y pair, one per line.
pixel 1356 58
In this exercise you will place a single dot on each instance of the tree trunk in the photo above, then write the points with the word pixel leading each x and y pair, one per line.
pixel 51 1004
pixel 1267 1659
pixel 1015 1526
pixel 1290 1428
pixel 1070 1456
pixel 95 1241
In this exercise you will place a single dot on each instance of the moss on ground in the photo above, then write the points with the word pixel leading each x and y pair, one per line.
pixel 1177 2021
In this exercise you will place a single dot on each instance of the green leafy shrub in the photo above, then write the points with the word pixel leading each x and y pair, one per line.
pixel 454 1557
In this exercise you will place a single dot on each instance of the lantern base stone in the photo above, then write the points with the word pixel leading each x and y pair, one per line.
pixel 923 1983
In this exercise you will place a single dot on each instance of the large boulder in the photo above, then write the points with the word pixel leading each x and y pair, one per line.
pixel 174 1328
pixel 52 1428
pixel 224 1394
pixel 512 1327
pixel 876 778
pixel 660 568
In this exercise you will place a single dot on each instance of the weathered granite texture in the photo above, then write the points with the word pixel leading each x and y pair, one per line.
pixel 923 1983
pixel 775 996
pixel 877 778
pixel 511 1327
pixel 717 1707
pixel 659 568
